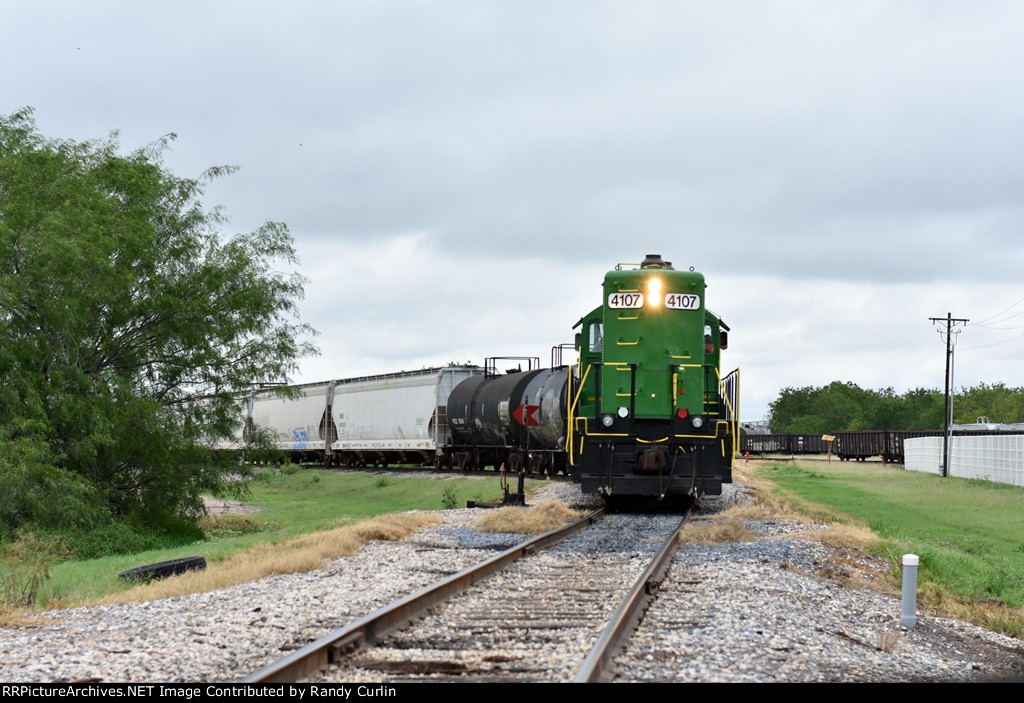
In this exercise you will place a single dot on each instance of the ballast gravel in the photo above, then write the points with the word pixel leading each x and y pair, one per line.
pixel 533 621
pixel 764 610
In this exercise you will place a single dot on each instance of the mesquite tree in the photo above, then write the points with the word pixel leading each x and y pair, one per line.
pixel 129 325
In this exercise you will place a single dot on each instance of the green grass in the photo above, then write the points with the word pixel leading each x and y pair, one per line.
pixel 291 504
pixel 968 534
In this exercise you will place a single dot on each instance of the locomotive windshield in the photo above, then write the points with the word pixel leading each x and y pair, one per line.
pixel 596 335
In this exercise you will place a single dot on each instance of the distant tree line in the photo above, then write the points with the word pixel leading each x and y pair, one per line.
pixel 847 406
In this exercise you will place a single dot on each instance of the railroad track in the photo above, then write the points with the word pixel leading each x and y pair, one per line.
pixel 559 615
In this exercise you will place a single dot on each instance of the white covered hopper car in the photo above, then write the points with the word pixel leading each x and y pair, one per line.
pixel 387 419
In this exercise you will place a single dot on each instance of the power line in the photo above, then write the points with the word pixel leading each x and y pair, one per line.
pixel 1000 329
pixel 990 319
pixel 951 322
pixel 988 324
pixel 993 344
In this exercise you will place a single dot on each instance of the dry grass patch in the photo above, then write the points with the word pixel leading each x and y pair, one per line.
pixel 938 600
pixel 768 502
pixel 888 641
pixel 536 519
pixel 234 523
pixel 774 503
pixel 852 567
pixel 851 574
pixel 845 538
pixel 715 531
pixel 844 572
pixel 390 528
pixel 993 617
pixel 21 619
pixel 841 536
pixel 296 555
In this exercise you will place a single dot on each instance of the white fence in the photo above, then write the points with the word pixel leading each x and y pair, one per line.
pixel 990 458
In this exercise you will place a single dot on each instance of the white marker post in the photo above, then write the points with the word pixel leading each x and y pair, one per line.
pixel 908 618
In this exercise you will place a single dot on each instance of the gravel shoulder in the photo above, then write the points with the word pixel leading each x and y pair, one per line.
pixel 226 634
pixel 782 609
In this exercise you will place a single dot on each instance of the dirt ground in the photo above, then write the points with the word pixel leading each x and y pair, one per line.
pixel 223 506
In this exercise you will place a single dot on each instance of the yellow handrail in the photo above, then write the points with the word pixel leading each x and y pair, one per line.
pixel 573 402
pixel 734 412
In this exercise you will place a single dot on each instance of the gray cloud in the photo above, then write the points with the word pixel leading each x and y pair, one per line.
pixel 795 152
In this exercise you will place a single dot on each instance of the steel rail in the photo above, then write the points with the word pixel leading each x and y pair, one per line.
pixel 430 471
pixel 597 666
pixel 318 655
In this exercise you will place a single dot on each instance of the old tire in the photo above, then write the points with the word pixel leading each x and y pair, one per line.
pixel 163 569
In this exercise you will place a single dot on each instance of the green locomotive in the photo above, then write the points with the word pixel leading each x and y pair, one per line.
pixel 649 413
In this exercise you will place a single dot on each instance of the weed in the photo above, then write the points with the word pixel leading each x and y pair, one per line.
pixel 129 538
pixel 448 498
pixel 382 482
pixel 26 567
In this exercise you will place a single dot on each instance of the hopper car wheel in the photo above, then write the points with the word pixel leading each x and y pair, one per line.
pixel 547 467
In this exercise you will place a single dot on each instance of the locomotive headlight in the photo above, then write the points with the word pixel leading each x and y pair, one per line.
pixel 623 412
pixel 607 420
pixel 697 421
pixel 654 292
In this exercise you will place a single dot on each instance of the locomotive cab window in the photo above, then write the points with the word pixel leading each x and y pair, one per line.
pixel 709 344
pixel 596 335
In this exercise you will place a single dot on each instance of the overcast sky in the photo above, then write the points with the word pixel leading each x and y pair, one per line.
pixel 459 175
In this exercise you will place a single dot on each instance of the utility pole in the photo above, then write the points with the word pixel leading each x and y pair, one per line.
pixel 951 322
